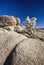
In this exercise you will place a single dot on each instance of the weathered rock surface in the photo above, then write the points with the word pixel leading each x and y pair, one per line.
pixel 16 49
pixel 9 28
pixel 27 52
pixel 16 28
pixel 8 41
pixel 8 21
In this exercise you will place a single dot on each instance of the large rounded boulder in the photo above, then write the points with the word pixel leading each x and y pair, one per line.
pixel 8 21
pixel 16 49
pixel 27 52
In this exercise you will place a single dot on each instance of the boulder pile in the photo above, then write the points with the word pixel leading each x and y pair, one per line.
pixel 8 21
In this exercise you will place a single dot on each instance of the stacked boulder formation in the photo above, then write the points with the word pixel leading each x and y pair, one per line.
pixel 9 21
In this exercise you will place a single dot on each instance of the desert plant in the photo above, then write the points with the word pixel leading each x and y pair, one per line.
pixel 30 25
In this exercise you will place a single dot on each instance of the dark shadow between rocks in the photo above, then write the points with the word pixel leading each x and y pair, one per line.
pixel 10 56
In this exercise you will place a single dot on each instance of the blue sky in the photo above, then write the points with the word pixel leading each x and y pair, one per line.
pixel 24 8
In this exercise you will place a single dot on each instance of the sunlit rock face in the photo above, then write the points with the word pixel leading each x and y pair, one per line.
pixel 19 28
pixel 8 21
pixel 27 52
pixel 16 49
pixel 8 40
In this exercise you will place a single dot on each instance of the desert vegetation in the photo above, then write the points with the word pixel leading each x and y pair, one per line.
pixel 13 23
pixel 28 27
